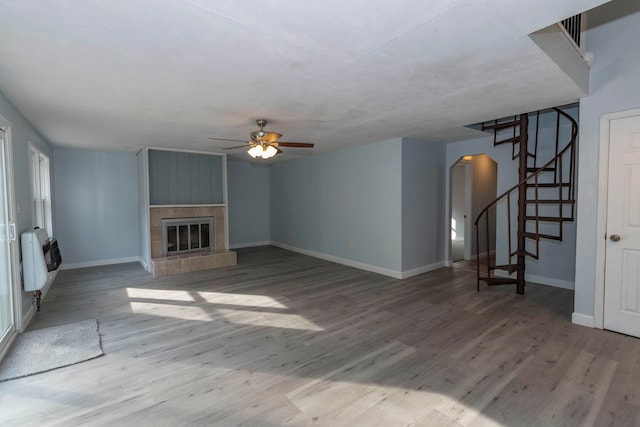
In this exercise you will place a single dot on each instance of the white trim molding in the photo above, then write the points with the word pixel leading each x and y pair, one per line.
pixel 26 319
pixel 550 281
pixel 601 222
pixel 362 266
pixel 98 263
pixel 225 198
pixel 14 252
pixel 421 270
pixel 249 245
pixel 582 320
pixel 180 150
pixel 344 261
pixel 541 280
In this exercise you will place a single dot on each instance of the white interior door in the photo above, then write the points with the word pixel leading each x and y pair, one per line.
pixel 622 266
pixel 7 234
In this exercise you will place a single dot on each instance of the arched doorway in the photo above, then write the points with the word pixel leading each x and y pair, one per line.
pixel 473 185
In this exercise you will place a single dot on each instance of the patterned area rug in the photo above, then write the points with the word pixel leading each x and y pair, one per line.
pixel 45 349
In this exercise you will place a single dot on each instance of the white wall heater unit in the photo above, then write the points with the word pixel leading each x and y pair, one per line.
pixel 40 259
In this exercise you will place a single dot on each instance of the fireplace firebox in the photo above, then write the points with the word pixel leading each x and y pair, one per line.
pixel 185 235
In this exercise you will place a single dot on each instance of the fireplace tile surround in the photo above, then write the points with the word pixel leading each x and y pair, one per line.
pixel 184 263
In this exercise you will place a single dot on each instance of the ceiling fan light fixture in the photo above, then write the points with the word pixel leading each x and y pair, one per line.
pixel 265 144
pixel 255 151
pixel 262 151
pixel 269 152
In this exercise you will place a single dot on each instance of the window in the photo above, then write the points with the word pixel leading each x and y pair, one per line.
pixel 40 190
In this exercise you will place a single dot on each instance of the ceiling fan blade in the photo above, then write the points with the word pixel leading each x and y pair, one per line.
pixel 279 150
pixel 239 146
pixel 294 144
pixel 227 139
pixel 271 137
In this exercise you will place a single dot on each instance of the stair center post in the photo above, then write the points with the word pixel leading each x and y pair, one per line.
pixel 522 201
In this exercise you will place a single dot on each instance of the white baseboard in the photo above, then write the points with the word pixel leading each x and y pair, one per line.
pixel 541 280
pixel 421 270
pixel 550 281
pixel 362 266
pixel 583 320
pixel 74 265
pixel 28 316
pixel 249 245
pixel 344 261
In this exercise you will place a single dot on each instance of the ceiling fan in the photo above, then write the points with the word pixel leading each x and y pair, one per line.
pixel 264 144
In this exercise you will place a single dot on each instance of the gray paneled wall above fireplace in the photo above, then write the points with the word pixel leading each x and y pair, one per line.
pixel 181 178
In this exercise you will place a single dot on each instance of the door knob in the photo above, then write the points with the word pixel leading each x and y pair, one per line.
pixel 614 238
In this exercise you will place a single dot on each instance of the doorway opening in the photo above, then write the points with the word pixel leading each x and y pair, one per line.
pixel 10 309
pixel 474 181
pixel 616 306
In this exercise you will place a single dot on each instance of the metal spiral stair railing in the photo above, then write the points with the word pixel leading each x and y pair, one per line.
pixel 545 197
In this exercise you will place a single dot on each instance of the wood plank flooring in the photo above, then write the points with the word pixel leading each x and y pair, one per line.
pixel 286 339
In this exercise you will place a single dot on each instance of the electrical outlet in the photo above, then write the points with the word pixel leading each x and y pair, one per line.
pixel 350 244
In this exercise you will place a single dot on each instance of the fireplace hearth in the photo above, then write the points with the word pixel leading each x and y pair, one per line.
pixel 188 238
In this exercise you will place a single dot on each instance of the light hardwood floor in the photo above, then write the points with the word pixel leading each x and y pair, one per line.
pixel 285 339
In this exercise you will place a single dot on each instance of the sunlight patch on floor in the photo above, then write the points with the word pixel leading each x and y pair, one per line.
pixel 271 320
pixel 240 299
pixel 159 294
pixel 352 402
pixel 169 310
pixel 251 316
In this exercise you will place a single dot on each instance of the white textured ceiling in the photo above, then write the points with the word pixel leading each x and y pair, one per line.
pixel 121 75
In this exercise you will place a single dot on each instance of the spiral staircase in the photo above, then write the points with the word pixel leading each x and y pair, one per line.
pixel 538 205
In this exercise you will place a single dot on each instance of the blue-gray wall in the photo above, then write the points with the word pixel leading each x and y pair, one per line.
pixel 615 72
pixel 343 204
pixel 248 194
pixel 423 208
pixel 21 134
pixel 96 206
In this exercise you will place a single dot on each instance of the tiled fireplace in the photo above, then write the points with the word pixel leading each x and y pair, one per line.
pixel 188 260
